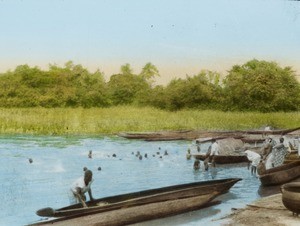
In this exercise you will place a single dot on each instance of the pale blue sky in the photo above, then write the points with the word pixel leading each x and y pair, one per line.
pixel 178 36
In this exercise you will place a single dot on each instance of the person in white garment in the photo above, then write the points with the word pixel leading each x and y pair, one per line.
pixel 81 186
pixel 214 148
pixel 211 152
pixel 254 158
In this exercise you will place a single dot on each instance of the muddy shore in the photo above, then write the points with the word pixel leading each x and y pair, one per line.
pixel 265 211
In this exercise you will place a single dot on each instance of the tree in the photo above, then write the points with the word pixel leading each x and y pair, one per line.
pixel 262 86
pixel 199 91
pixel 126 69
pixel 149 72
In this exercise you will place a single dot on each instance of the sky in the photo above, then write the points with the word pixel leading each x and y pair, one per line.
pixel 180 37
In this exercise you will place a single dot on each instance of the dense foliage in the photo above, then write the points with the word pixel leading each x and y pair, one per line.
pixel 254 86
pixel 262 86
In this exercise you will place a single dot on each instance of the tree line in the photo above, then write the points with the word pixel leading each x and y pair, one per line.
pixel 254 86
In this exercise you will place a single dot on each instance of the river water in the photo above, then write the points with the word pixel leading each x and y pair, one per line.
pixel 58 161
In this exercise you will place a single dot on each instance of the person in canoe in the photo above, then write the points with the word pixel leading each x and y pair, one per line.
pixel 267 153
pixel 267 148
pixel 279 152
pixel 211 152
pixel 81 186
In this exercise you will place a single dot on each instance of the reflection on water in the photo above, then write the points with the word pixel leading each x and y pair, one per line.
pixel 57 161
pixel 264 191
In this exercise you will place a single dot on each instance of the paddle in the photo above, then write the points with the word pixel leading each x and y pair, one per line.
pixel 81 200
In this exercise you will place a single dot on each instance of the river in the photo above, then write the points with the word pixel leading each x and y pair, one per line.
pixel 58 161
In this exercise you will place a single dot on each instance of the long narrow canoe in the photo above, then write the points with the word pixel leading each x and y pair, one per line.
pixel 142 198
pixel 135 214
pixel 281 174
pixel 224 159
pixel 195 134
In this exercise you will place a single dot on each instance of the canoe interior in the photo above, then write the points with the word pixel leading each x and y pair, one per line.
pixel 158 196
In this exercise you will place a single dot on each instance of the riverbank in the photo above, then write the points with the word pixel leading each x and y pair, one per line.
pixel 265 211
pixel 108 121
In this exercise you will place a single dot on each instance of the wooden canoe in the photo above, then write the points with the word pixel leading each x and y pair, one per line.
pixel 291 197
pixel 281 174
pixel 142 197
pixel 224 159
pixel 196 134
pixel 135 214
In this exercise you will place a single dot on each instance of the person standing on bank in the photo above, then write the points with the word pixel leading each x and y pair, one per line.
pixel 81 186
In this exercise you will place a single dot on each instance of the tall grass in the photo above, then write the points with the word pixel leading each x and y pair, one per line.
pixel 95 121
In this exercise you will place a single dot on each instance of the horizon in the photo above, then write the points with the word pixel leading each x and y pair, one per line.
pixel 161 80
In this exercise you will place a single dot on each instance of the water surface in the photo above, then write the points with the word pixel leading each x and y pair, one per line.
pixel 58 161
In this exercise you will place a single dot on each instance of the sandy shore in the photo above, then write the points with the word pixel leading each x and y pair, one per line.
pixel 265 211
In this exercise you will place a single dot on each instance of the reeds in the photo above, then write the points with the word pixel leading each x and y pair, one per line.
pixel 97 121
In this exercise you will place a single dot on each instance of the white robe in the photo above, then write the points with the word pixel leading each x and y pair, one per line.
pixel 253 157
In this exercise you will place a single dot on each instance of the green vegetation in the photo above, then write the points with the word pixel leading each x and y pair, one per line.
pixel 96 121
pixel 255 86
pixel 72 100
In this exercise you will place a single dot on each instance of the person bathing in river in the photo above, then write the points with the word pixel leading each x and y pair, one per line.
pixel 196 164
pixel 188 154
pixel 81 186
pixel 211 152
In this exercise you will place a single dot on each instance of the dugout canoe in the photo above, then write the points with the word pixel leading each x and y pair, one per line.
pixel 224 159
pixel 281 174
pixel 144 197
pixel 196 134
pixel 135 214
pixel 291 197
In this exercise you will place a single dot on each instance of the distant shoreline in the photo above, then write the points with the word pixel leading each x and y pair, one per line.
pixel 110 121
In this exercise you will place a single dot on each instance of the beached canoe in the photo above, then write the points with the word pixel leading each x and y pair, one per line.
pixel 281 174
pixel 135 214
pixel 196 134
pixel 291 197
pixel 142 198
pixel 224 159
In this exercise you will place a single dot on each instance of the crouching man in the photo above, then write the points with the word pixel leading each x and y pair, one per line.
pixel 81 186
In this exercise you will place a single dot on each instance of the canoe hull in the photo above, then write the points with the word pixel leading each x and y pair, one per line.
pixel 224 159
pixel 135 214
pixel 291 197
pixel 113 203
pixel 280 175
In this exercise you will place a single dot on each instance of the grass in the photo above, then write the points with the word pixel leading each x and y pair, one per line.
pixel 95 121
